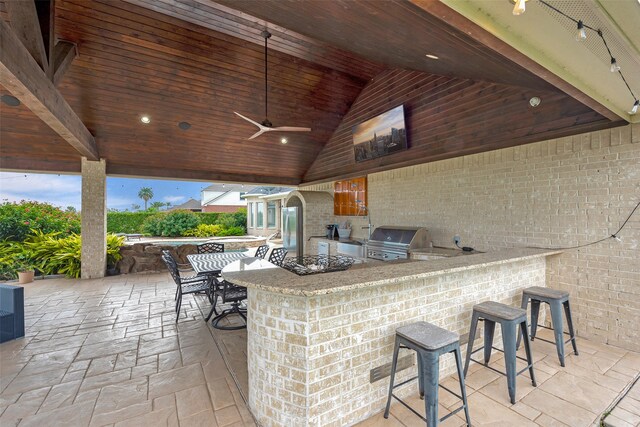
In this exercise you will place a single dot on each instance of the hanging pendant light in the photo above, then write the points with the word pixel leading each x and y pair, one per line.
pixel 519 7
pixel 582 34
pixel 614 65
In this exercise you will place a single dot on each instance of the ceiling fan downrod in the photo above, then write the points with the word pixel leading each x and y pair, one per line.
pixel 266 35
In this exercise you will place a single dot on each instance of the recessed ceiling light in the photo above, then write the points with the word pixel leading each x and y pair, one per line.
pixel 145 119
pixel 283 140
pixel 535 101
pixel 11 101
pixel 428 55
pixel 184 125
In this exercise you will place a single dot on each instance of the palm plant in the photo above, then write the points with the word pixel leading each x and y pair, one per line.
pixel 145 194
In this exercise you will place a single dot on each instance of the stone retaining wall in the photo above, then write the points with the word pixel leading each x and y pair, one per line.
pixel 141 257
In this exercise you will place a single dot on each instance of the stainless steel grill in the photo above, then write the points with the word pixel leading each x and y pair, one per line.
pixel 391 242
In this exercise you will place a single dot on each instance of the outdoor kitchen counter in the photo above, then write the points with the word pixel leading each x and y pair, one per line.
pixel 376 273
pixel 313 341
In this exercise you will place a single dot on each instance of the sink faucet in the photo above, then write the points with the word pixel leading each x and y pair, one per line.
pixel 369 226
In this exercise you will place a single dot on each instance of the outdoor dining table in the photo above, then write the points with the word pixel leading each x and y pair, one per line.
pixel 212 264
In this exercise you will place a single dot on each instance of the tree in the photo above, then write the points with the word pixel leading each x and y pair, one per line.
pixel 135 207
pixel 145 194
pixel 156 206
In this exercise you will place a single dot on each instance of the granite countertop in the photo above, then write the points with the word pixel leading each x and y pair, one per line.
pixel 369 274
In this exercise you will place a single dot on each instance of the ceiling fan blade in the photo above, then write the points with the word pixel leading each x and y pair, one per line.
pixel 249 120
pixel 260 132
pixel 291 129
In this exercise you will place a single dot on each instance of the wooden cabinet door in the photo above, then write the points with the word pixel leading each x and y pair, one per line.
pixel 349 196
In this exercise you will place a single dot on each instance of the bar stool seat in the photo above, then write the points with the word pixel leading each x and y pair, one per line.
pixel 500 311
pixel 427 335
pixel 558 302
pixel 429 342
pixel 540 292
pixel 510 319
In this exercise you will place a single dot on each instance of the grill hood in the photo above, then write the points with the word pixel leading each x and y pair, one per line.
pixel 396 242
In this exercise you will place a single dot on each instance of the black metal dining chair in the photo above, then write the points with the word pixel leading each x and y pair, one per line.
pixel 189 285
pixel 262 250
pixel 234 295
pixel 277 256
pixel 210 248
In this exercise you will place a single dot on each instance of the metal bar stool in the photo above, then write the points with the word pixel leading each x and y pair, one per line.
pixel 556 300
pixel 429 342
pixel 509 318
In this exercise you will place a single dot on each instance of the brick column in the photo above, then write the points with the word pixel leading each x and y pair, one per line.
pixel 94 219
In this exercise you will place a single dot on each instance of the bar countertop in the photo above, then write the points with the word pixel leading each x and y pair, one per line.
pixel 271 278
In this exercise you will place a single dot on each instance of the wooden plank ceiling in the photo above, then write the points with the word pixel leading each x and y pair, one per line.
pixel 198 61
pixel 136 61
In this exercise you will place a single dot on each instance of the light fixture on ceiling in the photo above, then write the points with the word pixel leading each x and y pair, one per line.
pixel 430 56
pixel 184 125
pixel 581 35
pixel 145 119
pixel 283 140
pixel 10 100
pixel 614 65
pixel 535 101
pixel 519 6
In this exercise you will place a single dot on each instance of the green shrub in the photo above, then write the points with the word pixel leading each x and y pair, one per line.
pixel 232 231
pixel 210 218
pixel 204 230
pixel 127 222
pixel 170 224
pixel 18 219
pixel 152 225
pixel 14 257
pixel 54 255
pixel 236 219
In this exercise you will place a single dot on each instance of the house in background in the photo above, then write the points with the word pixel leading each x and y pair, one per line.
pixel 224 197
pixel 264 210
pixel 192 205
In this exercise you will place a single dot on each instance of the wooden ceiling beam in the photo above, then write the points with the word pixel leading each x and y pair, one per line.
pixel 26 25
pixel 23 77
pixel 198 175
pixel 63 55
pixel 451 17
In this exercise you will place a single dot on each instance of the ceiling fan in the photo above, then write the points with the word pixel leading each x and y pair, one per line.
pixel 266 125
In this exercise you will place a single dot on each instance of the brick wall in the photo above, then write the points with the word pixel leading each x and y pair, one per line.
pixel 560 192
pixel 310 358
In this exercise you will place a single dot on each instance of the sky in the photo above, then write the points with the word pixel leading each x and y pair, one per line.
pixel 64 190
pixel 381 125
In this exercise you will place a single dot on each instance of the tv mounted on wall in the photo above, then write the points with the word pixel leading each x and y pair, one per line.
pixel 381 135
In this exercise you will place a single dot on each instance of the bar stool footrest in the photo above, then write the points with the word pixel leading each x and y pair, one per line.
pixel 453 412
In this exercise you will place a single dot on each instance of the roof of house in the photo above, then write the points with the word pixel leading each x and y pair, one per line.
pixel 264 191
pixel 190 204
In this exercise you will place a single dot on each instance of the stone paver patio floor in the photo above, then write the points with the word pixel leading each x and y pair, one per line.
pixel 108 352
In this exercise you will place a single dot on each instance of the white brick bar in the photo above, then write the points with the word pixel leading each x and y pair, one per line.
pixel 311 349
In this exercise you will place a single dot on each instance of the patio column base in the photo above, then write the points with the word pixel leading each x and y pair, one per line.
pixel 94 219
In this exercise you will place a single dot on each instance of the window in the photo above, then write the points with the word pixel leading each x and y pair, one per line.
pixel 251 219
pixel 271 215
pixel 260 222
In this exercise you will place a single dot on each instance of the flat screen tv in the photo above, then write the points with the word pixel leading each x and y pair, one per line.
pixel 381 135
